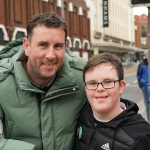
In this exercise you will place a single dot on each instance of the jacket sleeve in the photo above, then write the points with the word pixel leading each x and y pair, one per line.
pixel 139 75
pixel 143 143
pixel 9 144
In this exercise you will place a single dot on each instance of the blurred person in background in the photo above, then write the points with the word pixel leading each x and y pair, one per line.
pixel 142 77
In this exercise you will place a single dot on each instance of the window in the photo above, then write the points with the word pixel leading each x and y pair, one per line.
pixel 84 23
pixel 75 20
pixel 143 35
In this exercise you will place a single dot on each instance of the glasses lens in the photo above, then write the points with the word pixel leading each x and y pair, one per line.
pixel 108 84
pixel 91 85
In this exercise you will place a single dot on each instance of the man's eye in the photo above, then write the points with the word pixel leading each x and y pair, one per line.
pixel 58 46
pixel 43 45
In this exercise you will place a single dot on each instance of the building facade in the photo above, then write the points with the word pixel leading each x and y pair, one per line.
pixel 15 14
pixel 141 31
pixel 141 34
pixel 112 28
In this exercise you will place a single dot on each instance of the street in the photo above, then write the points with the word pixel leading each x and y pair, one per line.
pixel 133 92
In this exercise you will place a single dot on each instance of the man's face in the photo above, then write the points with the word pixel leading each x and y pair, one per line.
pixel 45 50
pixel 105 103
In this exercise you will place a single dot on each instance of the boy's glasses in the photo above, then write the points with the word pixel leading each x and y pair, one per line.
pixel 108 84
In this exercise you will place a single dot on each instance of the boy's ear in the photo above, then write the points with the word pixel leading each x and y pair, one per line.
pixel 122 85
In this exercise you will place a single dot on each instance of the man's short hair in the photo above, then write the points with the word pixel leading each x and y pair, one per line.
pixel 48 19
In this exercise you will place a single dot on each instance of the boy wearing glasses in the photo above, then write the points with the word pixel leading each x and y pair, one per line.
pixel 108 123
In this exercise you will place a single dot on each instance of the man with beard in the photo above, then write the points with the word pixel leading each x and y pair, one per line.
pixel 41 88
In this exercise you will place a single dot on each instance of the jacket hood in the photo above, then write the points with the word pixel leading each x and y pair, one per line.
pixel 127 117
pixel 10 53
pixel 6 57
pixel 11 49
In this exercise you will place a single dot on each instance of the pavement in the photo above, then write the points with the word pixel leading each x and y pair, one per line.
pixel 129 70
pixel 132 69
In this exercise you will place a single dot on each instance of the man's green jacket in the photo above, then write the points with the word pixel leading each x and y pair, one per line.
pixel 50 126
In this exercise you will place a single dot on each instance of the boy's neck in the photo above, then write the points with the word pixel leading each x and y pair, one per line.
pixel 103 117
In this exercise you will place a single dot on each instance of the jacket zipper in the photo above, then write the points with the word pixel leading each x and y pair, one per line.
pixel 61 92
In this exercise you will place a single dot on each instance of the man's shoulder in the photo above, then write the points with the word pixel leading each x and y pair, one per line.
pixel 6 84
pixel 7 57
pixel 11 49
pixel 75 61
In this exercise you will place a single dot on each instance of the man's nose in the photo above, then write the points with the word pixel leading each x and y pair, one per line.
pixel 50 53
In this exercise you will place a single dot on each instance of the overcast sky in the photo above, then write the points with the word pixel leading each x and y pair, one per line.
pixel 140 10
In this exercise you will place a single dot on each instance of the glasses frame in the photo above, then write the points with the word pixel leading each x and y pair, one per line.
pixel 102 85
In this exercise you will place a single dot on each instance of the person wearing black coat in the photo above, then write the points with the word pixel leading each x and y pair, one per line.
pixel 108 122
pixel 127 131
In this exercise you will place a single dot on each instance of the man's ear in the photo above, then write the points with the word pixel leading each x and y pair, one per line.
pixel 122 85
pixel 26 45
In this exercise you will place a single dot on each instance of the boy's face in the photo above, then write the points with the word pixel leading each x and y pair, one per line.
pixel 105 103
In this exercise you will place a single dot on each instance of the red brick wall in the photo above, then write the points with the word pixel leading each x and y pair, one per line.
pixel 16 13
pixel 139 21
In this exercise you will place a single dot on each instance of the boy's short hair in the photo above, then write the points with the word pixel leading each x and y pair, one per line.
pixel 104 58
pixel 48 19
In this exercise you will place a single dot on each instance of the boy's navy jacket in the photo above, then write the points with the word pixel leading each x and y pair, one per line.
pixel 127 131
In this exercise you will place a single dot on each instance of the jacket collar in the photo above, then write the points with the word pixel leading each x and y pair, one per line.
pixel 124 118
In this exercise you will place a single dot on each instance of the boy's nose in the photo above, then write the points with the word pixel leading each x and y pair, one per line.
pixel 100 87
